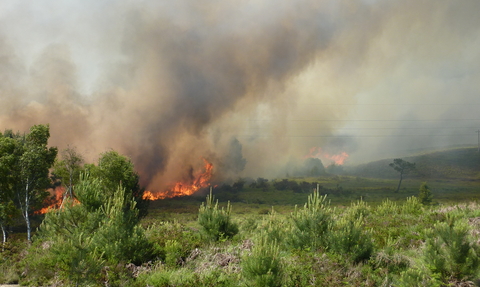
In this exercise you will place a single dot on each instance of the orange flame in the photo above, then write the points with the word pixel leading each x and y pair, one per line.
pixel 338 159
pixel 54 201
pixel 184 188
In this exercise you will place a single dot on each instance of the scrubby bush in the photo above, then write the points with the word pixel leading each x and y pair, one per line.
pixel 217 223
pixel 425 195
pixel 165 277
pixel 311 223
pixel 164 233
pixel 275 227
pixel 350 239
pixel 451 251
pixel 263 266
pixel 82 240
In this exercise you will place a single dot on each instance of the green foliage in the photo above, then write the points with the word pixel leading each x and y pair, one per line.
pixel 349 238
pixel 165 277
pixel 38 266
pixel 275 227
pixel 425 195
pixel 358 209
pixel 418 277
pixel 173 251
pixel 311 223
pixel 165 233
pixel 25 162
pixel 451 251
pixel 412 206
pixel 263 266
pixel 116 170
pixel 216 222
pixel 100 231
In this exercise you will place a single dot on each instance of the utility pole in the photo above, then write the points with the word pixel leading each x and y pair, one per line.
pixel 478 132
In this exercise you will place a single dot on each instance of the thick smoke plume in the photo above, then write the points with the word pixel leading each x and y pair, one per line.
pixel 247 85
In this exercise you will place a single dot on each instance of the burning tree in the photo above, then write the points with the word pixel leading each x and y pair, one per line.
pixel 403 167
pixel 69 168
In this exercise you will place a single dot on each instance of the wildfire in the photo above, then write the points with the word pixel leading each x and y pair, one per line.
pixel 184 188
pixel 338 159
pixel 53 202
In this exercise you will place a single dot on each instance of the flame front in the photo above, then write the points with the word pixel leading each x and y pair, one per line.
pixel 53 202
pixel 184 188
pixel 338 159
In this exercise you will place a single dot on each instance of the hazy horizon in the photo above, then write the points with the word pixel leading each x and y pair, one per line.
pixel 247 85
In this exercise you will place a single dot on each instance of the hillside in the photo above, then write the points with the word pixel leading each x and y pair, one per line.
pixel 459 163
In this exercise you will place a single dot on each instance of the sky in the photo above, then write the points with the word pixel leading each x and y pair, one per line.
pixel 248 85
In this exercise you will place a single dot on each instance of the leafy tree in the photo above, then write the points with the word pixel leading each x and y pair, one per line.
pixel 7 160
pixel 117 170
pixel 425 195
pixel 31 170
pixel 403 167
pixel 238 185
pixel 69 168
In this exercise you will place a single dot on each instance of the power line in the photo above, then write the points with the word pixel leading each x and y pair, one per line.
pixel 347 136
pixel 365 120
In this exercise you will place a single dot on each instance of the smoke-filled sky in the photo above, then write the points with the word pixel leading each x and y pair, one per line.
pixel 248 85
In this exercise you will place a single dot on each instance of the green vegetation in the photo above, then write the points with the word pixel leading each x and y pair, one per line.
pixel 216 223
pixel 328 229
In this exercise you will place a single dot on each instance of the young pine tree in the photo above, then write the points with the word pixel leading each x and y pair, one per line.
pixel 216 222
pixel 425 195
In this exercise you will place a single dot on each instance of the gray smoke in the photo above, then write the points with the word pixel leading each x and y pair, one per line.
pixel 170 82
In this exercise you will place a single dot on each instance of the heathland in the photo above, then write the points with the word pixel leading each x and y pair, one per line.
pixel 337 226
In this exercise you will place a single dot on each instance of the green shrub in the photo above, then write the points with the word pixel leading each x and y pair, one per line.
pixel 350 239
pixel 38 265
pixel 425 196
pixel 390 258
pixel 263 266
pixel 173 252
pixel 387 207
pixel 165 277
pixel 85 239
pixel 412 206
pixel 163 232
pixel 216 222
pixel 311 223
pixel 357 209
pixel 451 251
pixel 418 277
pixel 275 227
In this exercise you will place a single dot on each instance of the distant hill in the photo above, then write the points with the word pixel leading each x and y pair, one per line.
pixel 460 163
